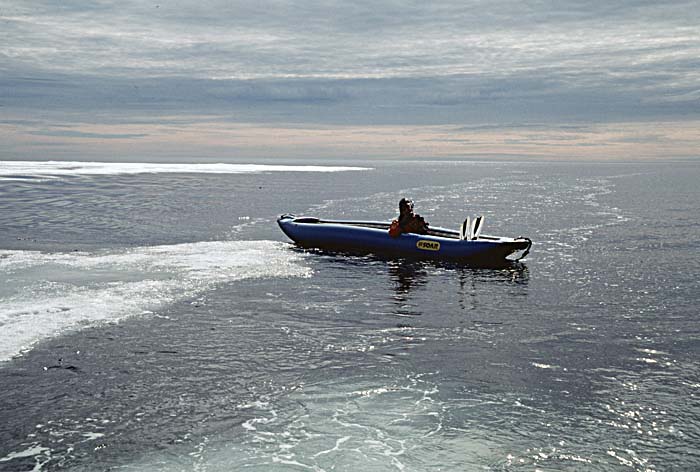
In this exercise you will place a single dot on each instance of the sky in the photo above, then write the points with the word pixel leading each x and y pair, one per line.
pixel 216 80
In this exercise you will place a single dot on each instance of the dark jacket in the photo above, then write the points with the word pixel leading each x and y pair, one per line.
pixel 408 222
pixel 412 223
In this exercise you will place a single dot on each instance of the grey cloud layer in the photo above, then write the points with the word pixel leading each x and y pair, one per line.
pixel 360 62
pixel 465 99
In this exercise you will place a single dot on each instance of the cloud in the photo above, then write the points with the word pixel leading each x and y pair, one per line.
pixel 83 134
pixel 460 99
pixel 337 63
pixel 342 40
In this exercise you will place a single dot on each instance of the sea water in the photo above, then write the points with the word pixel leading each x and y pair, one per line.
pixel 155 318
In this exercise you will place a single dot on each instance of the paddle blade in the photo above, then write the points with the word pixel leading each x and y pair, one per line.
pixel 463 230
pixel 476 227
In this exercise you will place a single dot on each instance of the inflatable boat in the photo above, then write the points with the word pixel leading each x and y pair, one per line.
pixel 373 237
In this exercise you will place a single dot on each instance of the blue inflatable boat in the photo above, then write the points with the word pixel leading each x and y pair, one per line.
pixel 373 237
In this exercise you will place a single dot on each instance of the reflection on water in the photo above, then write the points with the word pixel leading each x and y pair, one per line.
pixel 406 275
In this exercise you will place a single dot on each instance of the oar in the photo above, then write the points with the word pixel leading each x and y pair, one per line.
pixel 312 219
pixel 464 229
pixel 446 233
pixel 476 227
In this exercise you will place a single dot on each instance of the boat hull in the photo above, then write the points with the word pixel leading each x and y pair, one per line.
pixel 373 237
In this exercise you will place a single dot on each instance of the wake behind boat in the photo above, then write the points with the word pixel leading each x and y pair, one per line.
pixel 373 237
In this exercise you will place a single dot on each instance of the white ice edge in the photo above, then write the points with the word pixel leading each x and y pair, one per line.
pixel 67 168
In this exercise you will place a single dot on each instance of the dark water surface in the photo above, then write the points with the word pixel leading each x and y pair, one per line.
pixel 166 324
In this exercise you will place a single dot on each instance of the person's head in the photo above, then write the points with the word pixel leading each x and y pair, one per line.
pixel 405 206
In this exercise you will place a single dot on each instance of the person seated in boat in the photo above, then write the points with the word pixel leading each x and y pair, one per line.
pixel 408 221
